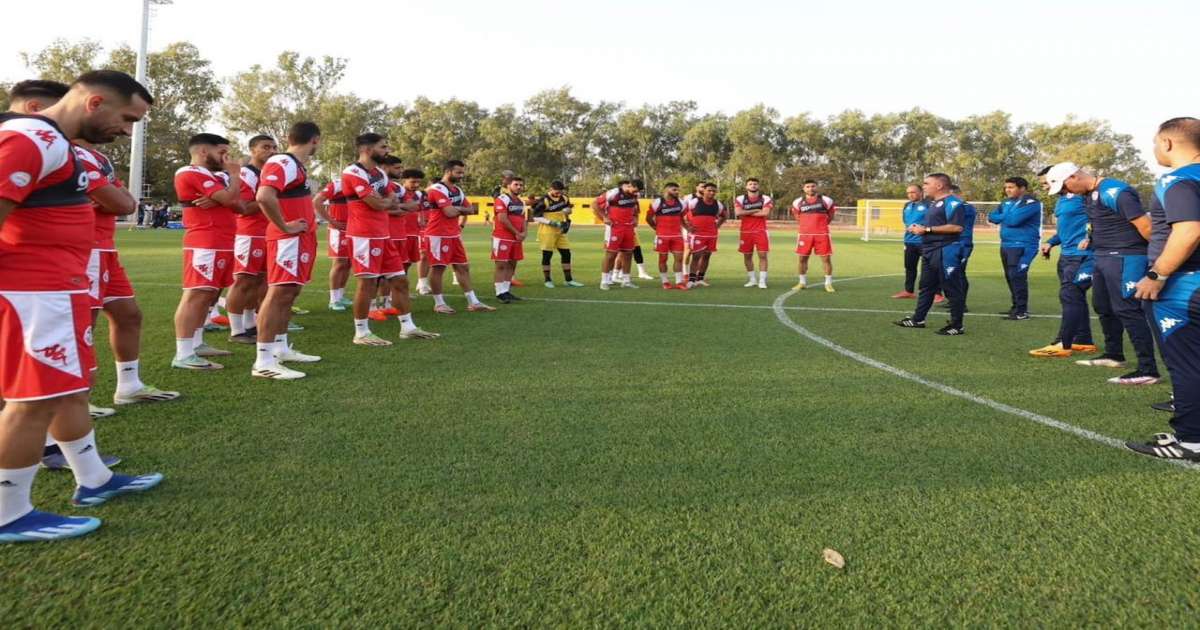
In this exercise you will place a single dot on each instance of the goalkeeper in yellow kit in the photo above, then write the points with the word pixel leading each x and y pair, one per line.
pixel 552 213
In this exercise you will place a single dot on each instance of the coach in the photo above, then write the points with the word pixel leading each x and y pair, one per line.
pixel 1020 219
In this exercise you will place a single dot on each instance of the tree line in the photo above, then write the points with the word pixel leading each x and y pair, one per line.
pixel 554 135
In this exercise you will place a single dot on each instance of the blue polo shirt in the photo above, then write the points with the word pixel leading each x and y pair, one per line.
pixel 914 214
pixel 1176 198
pixel 1111 207
pixel 946 211
pixel 1071 222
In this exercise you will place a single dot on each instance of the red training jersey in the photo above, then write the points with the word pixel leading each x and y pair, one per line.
pixel 668 217
pixel 442 195
pixel 514 208
pixel 100 173
pixel 623 208
pixel 703 216
pixel 287 176
pixel 337 200
pixel 409 223
pixel 813 214
pixel 358 183
pixel 251 224
pixel 46 240
pixel 762 202
pixel 205 228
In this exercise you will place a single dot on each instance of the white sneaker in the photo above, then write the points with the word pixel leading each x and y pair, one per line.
pixel 644 276
pixel 750 284
pixel 290 355
pixel 604 286
pixel 628 285
pixel 1101 362
pixel 424 291
pixel 417 333
pixel 702 283
pixel 762 284
pixel 277 372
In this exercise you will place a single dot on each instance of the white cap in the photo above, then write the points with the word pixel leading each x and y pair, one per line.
pixel 1058 174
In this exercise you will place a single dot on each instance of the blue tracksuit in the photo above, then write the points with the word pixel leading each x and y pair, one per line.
pixel 1120 263
pixel 941 260
pixel 1075 268
pixel 914 214
pixel 1020 222
pixel 1177 310
pixel 968 246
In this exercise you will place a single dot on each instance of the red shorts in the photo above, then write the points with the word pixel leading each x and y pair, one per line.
pixel 750 241
pixel 665 244
pixel 410 249
pixel 290 260
pixel 339 244
pixel 819 244
pixel 207 268
pixel 446 250
pixel 703 243
pixel 504 250
pixel 107 280
pixel 620 238
pixel 249 255
pixel 45 344
pixel 375 257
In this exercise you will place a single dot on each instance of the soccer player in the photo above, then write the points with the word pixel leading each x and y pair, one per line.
pixel 283 195
pixel 375 257
pixel 696 193
pixel 666 217
pixel 330 205
pixel 1020 219
pixel 619 210
pixel 47 230
pixel 703 219
pixel 249 248
pixel 813 212
pixel 941 254
pixel 1119 237
pixel 210 204
pixel 552 213
pixel 1075 267
pixel 913 214
pixel 1172 284
pixel 753 208
pixel 508 236
pixel 406 185
pixel 448 210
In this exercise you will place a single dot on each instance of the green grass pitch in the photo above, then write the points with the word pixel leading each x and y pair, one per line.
pixel 564 463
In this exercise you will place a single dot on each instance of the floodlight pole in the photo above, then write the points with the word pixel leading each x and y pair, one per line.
pixel 138 151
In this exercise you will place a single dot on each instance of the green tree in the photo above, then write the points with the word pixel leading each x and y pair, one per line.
pixel 270 100
pixel 428 133
pixel 758 141
pixel 1092 144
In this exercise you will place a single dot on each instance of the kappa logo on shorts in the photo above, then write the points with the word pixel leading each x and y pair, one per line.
pixel 202 269
pixel 289 264
pixel 55 353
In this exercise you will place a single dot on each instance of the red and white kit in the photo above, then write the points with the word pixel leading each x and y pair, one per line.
pixel 753 233
pixel 406 228
pixel 668 225
pixel 443 234
pixel 290 257
pixel 623 211
pixel 107 280
pixel 372 250
pixel 703 218
pixel 208 232
pixel 339 240
pixel 505 245
pixel 250 244
pixel 45 242
pixel 813 215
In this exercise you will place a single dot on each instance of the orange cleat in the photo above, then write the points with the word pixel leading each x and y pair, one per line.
pixel 391 312
pixel 220 320
pixel 378 315
pixel 904 295
pixel 1085 348
pixel 939 298
pixel 515 283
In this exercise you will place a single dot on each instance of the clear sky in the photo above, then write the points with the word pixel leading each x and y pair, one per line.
pixel 1132 63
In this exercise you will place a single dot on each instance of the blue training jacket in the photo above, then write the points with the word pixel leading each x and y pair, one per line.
pixel 914 213
pixel 1020 221
pixel 969 216
pixel 1071 221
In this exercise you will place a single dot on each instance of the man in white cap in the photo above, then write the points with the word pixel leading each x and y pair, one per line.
pixel 1119 237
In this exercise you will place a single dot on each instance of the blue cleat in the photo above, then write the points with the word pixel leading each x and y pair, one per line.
pixel 56 460
pixel 118 485
pixel 36 526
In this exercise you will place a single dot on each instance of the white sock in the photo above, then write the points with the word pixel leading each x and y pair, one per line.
pixel 198 337
pixel 220 304
pixel 678 277
pixel 606 278
pixel 250 318
pixel 471 299
pixel 439 299
pixel 237 323
pixel 751 276
pixel 265 356
pixel 641 269
pixel 685 268
pixel 762 277
pixel 455 277
pixel 15 486
pixel 803 279
pixel 406 323
pixel 507 286
pixel 281 342
pixel 663 276
pixel 84 458
pixel 499 287
pixel 336 295
pixel 214 312
pixel 128 378
pixel 828 280
pixel 49 440
pixel 362 327
pixel 184 348
pixel 422 283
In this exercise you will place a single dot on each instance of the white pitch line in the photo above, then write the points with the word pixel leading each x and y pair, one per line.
pixel 781 315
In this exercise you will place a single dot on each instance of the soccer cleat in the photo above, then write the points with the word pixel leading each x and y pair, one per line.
pixel 117 486
pixel 800 286
pixel 762 284
pixel 246 338
pixel 517 283
pixel 205 350
pixel 512 297
pixel 290 355
pixel 1086 348
pixel 1164 446
pixel 574 284
pixel 950 331
pixel 296 310
pixel 424 290
pixel 417 333
pixel 377 315
pixel 41 526
pixel 628 285
pixel 294 327
pixel 702 283
pixel 1136 377
pixel 1052 351
pixel 391 311
pixel 1017 317
pixel 345 301
pixel 194 362
pixel 144 395
pixel 1168 406
pixel 1105 361
pixel 644 276
pixel 370 339
pixel 604 286
pixel 337 306
pixel 939 298
pixel 53 459
pixel 909 322
pixel 211 327
pixel 549 284
pixel 829 289
pixel 668 286
pixel 277 372
pixel 220 320
pixel 505 298
pixel 480 307
pixel 444 309
pixel 904 295
pixel 751 284
pixel 100 412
